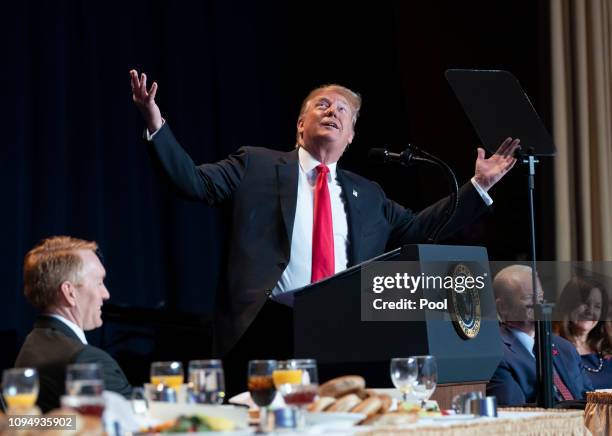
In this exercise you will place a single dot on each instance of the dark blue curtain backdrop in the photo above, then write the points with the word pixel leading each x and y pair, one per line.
pixel 233 73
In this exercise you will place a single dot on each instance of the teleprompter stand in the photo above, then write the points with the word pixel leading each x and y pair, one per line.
pixel 498 107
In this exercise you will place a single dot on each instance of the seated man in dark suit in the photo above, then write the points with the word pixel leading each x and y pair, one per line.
pixel 64 279
pixel 514 380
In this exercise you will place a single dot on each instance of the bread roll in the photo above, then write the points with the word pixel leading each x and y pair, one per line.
pixel 387 401
pixel 363 393
pixel 370 420
pixel 321 404
pixel 344 404
pixel 340 386
pixel 368 407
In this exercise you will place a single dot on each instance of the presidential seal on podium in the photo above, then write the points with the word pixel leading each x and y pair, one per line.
pixel 464 307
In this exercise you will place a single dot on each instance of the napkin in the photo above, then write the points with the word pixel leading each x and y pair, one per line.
pixel 244 399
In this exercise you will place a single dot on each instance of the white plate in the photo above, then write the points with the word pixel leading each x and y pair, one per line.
pixel 166 411
pixel 316 418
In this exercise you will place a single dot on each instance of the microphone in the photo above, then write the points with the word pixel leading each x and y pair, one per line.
pixel 382 155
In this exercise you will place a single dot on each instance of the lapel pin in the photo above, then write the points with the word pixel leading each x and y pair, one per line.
pixel 355 193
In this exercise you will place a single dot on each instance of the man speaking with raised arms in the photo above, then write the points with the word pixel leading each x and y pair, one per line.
pixel 296 216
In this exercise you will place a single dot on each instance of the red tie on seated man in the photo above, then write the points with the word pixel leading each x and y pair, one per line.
pixel 322 230
pixel 563 390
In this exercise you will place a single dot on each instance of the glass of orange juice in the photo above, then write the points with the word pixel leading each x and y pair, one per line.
pixel 20 388
pixel 297 381
pixel 286 373
pixel 168 374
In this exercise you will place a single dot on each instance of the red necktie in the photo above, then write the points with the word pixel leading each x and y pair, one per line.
pixel 322 230
pixel 561 387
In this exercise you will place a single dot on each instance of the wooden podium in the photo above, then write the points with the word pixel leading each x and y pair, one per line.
pixel 328 324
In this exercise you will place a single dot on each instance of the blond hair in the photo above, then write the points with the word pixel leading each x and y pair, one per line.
pixel 353 98
pixel 50 263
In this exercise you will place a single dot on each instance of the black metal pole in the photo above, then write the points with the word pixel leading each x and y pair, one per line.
pixel 542 311
pixel 543 352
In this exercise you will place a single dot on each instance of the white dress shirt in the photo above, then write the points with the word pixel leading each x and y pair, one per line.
pixel 525 339
pixel 298 271
pixel 75 328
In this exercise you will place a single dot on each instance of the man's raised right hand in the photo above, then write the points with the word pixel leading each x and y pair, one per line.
pixel 145 101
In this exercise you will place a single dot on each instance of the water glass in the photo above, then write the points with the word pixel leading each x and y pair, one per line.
pixel 403 373
pixel 206 382
pixel 426 379
pixel 84 379
pixel 138 398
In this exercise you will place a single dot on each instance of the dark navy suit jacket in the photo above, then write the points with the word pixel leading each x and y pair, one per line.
pixel 260 187
pixel 514 380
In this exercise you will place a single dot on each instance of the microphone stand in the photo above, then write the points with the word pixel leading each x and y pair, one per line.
pixel 542 310
pixel 412 154
pixel 453 187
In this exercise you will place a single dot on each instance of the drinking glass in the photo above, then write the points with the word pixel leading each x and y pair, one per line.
pixel 286 374
pixel 262 389
pixel 297 381
pixel 91 405
pixel 20 388
pixel 426 379
pixel 84 387
pixel 138 398
pixel 206 381
pixel 168 374
pixel 84 379
pixel 403 373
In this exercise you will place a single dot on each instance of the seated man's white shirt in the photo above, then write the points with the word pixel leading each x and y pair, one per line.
pixel 75 328
pixel 525 339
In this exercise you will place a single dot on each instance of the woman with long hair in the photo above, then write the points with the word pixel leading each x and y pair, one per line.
pixel 581 317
